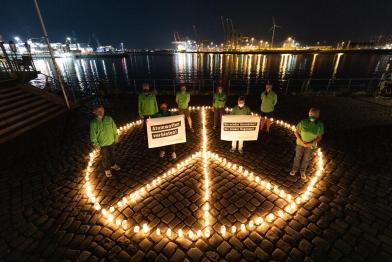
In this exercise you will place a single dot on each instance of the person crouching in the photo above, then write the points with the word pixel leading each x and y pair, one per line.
pixel 239 109
pixel 163 111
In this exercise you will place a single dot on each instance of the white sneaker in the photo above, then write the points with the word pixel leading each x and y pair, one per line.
pixel 240 151
pixel 174 155
pixel 161 154
pixel 304 176
pixel 108 173
pixel 115 167
pixel 232 150
pixel 292 173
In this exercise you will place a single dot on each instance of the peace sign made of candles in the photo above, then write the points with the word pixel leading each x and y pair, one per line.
pixel 113 215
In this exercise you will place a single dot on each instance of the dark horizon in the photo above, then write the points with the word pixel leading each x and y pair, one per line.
pixel 152 24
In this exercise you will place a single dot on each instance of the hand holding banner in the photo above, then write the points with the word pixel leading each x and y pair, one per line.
pixel 240 127
pixel 164 131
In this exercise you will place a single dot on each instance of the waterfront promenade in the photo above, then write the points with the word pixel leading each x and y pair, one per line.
pixel 45 214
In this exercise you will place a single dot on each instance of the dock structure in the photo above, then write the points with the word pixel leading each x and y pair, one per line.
pixel 22 106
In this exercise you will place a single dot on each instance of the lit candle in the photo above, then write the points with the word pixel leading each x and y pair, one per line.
pixel 168 232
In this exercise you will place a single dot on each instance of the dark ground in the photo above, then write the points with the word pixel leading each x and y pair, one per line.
pixel 45 215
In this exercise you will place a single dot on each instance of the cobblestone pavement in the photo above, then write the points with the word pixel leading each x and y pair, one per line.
pixel 45 214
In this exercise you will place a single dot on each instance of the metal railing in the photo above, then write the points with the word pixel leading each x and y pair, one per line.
pixel 80 90
pixel 75 93
pixel 249 86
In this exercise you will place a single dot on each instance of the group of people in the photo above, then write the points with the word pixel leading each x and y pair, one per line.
pixel 309 132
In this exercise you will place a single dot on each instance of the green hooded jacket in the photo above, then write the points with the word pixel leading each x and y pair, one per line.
pixel 103 132
pixel 268 101
pixel 147 104
pixel 245 110
pixel 219 100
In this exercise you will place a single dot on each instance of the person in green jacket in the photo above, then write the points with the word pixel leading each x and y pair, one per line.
pixel 309 133
pixel 163 112
pixel 103 136
pixel 218 105
pixel 147 103
pixel 268 102
pixel 182 99
pixel 239 109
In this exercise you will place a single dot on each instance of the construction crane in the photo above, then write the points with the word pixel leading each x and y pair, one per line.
pixel 96 40
pixel 177 37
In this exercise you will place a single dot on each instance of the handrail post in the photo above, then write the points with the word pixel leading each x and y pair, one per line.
pixel 134 86
pixel 51 54
pixel 349 84
pixel 329 84
pixel 174 87
pixel 287 86
pixel 228 88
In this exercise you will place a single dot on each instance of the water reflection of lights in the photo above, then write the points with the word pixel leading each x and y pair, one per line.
pixel 286 64
pixel 249 66
pixel 258 65
pixel 313 64
pixel 104 69
pixel 211 67
pixel 180 62
pixel 336 66
pixel 264 65
pixel 220 64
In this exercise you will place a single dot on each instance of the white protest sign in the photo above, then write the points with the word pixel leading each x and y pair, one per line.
pixel 240 127
pixel 163 131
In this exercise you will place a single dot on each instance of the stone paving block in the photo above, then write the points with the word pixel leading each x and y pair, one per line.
pixel 349 217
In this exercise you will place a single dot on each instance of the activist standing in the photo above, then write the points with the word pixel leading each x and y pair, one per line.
pixel 163 112
pixel 147 103
pixel 182 99
pixel 239 109
pixel 218 105
pixel 309 133
pixel 268 103
pixel 103 136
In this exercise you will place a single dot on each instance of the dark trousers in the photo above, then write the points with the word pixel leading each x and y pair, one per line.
pixel 302 158
pixel 218 112
pixel 107 156
pixel 168 148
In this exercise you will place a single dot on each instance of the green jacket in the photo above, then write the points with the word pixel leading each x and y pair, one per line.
pixel 309 131
pixel 241 111
pixel 103 132
pixel 219 100
pixel 147 104
pixel 268 101
pixel 183 99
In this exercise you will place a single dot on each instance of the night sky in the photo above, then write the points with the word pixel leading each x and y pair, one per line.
pixel 150 24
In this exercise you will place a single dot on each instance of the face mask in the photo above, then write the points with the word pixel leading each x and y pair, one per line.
pixel 241 105
pixel 312 118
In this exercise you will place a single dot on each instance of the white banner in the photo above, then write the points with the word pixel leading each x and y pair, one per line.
pixel 240 127
pixel 163 131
